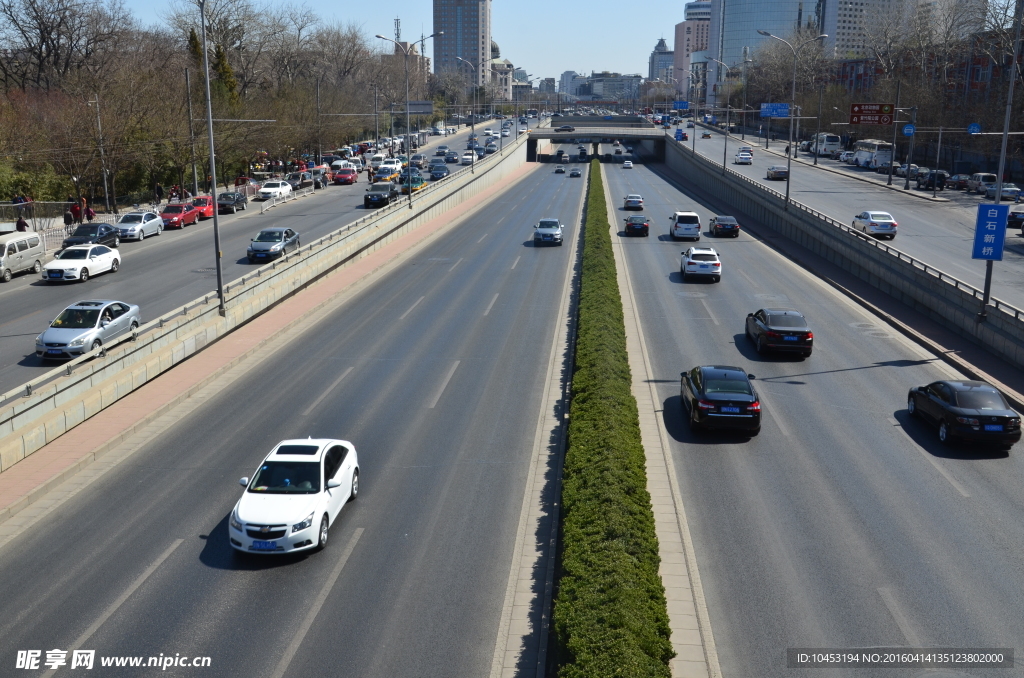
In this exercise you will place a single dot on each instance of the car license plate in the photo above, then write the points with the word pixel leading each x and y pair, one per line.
pixel 704 266
pixel 994 427
pixel 261 254
pixel 55 274
pixel 731 410
pixel 264 545
pixel 790 338
pixel 54 351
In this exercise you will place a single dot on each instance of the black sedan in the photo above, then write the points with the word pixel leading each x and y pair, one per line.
pixel 638 225
pixel 966 410
pixel 780 329
pixel 719 396
pixel 439 172
pixel 231 202
pixel 93 234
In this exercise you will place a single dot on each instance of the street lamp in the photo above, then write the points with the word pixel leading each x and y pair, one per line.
pixel 725 137
pixel 213 164
pixel 472 118
pixel 103 161
pixel 789 150
pixel 408 128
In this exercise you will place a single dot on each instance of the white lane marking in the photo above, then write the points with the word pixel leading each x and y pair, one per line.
pixel 293 647
pixel 776 415
pixel 325 393
pixel 708 309
pixel 402 317
pixel 455 264
pixel 932 460
pixel 913 640
pixel 444 384
pixel 481 238
pixel 514 264
pixel 112 608
pixel 490 305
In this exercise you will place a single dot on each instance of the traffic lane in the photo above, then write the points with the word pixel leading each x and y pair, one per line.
pixel 939 234
pixel 832 513
pixel 162 273
pixel 440 495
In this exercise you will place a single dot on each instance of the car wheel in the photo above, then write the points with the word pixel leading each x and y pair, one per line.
pixel 134 326
pixel 114 265
pixel 84 275
pixel 117 242
pixel 95 345
pixel 37 267
pixel 6 277
pixel 807 354
pixel 355 486
pixel 234 210
pixel 762 346
pixel 244 205
pixel 695 425
pixel 321 543
pixel 718 278
pixel 912 406
pixel 944 437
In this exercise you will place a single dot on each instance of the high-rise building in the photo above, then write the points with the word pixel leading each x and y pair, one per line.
pixel 467 34
pixel 661 63
pixel 690 36
pixel 565 82
pixel 547 86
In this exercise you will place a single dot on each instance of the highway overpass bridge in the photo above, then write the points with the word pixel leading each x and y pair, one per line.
pixel 649 141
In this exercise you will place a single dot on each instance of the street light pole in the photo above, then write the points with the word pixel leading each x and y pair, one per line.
pixel 472 116
pixel 910 151
pixel 213 163
pixel 103 161
pixel 789 150
pixel 817 135
pixel 725 137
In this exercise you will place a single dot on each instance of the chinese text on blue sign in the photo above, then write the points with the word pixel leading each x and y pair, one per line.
pixel 774 110
pixel 990 232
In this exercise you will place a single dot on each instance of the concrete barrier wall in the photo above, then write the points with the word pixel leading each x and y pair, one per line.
pixel 925 288
pixel 47 407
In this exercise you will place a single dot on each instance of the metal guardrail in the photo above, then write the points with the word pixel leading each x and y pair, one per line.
pixel 1006 308
pixel 273 202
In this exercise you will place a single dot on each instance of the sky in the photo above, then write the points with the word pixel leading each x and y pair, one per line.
pixel 544 38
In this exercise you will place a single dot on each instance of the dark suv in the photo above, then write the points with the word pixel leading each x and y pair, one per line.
pixel 299 180
pixel 934 179
pixel 380 194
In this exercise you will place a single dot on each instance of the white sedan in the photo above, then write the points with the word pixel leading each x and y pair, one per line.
pixel 275 189
pixel 80 262
pixel 743 159
pixel 295 496
pixel 628 164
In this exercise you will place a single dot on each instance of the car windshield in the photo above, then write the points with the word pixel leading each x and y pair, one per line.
pixel 727 386
pixel 76 319
pixel 228 196
pixel 272 184
pixel 981 400
pixel 270 236
pixel 287 477
pixel 704 257
pixel 73 254
pixel 880 216
pixel 787 321
pixel 131 219
pixel 86 230
pixel 201 201
pixel 173 209
pixel 548 223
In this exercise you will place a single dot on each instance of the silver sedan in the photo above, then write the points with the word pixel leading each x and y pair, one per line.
pixel 139 225
pixel 85 326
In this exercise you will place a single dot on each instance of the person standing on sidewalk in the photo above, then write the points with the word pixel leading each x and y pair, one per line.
pixel 22 225
pixel 69 221
pixel 158 191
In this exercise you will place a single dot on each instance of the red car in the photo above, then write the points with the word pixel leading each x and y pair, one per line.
pixel 346 176
pixel 204 206
pixel 179 215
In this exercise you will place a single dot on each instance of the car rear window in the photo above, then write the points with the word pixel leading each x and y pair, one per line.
pixel 786 321
pixel 704 257
pixel 727 386
pixel 881 216
pixel 981 400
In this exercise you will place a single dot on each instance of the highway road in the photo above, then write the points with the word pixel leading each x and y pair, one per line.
pixel 938 233
pixel 435 373
pixel 844 523
pixel 162 273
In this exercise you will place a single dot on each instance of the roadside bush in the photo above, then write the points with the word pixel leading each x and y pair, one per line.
pixel 610 614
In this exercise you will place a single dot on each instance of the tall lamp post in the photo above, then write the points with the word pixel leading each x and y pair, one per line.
pixel 472 118
pixel 408 129
pixel 213 164
pixel 103 160
pixel 725 137
pixel 789 150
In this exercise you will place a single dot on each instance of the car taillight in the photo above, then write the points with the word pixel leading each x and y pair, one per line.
pixel 716 264
pixel 871 223
pixel 754 406
pixel 967 420
pixel 894 224
pixel 772 335
pixel 810 336
pixel 705 405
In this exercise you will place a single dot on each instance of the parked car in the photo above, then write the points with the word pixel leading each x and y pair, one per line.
pixel 380 194
pixel 902 170
pixel 139 225
pixel 638 224
pixel 275 189
pixel 935 179
pixel 958 181
pixel 295 496
pixel 204 206
pixel 20 251
pixel 980 181
pixel 881 224
pixel 547 232
pixel 720 396
pixel 346 176
pixel 231 202
pixel 320 176
pixel 966 410
pixel 776 172
pixel 80 263
pixel 1016 216
pixel 1009 192
pixel 91 234
pixel 247 186
pixel 179 215
pixel 723 225
pixel 271 243
pixel 779 329
pixel 85 326
pixel 894 165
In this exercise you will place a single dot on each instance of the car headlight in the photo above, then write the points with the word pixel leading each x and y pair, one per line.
pixel 39 340
pixel 235 522
pixel 299 527
pixel 77 342
pixel 275 248
pixel 72 269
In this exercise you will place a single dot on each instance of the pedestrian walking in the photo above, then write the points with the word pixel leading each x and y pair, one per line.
pixel 158 191
pixel 69 221
pixel 90 214
pixel 22 225
pixel 76 212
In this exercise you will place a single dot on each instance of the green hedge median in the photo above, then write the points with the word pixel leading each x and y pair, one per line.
pixel 610 614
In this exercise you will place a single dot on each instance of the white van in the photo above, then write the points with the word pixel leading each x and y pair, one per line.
pixel 20 251
pixel 376 160
pixel 684 225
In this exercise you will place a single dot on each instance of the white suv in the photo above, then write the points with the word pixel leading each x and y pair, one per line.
pixel 701 261
pixel 684 225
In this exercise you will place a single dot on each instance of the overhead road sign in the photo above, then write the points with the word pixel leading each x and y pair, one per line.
pixel 774 110
pixel 990 232
pixel 421 108
pixel 872 114
pixel 908 130
pixel 681 105
pixel 974 128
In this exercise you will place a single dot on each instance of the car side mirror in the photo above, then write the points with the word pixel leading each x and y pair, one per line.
pixel 332 483
pixel 750 315
pixel 750 376
pixel 104 323
pixel 244 482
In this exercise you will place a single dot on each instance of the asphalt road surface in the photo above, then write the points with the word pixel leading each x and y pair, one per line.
pixel 444 362
pixel 162 273
pixel 844 523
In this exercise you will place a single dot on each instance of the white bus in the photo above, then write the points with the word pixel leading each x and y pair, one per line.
pixel 872 153
pixel 825 143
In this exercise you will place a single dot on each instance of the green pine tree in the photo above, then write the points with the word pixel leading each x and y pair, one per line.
pixel 195 48
pixel 225 75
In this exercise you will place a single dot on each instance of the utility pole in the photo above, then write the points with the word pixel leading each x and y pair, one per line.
pixel 213 160
pixel 191 135
pixel 895 125
pixel 319 126
pixel 817 135
pixel 910 151
pixel 103 160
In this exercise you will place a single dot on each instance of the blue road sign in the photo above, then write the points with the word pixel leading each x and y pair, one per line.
pixel 990 232
pixel 908 130
pixel 681 105
pixel 679 134
pixel 607 117
pixel 774 110
pixel 974 128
